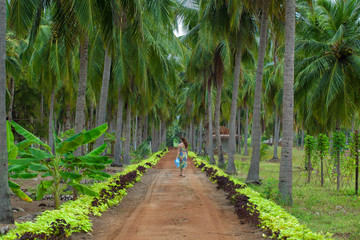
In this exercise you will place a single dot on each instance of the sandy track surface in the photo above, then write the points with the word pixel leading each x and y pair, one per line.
pixel 167 206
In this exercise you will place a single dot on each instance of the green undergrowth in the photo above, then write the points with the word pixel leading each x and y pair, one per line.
pixel 74 216
pixel 320 209
pixel 272 216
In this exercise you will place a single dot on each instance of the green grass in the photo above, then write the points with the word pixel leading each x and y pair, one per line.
pixel 321 209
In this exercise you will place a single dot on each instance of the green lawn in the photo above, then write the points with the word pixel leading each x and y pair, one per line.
pixel 321 209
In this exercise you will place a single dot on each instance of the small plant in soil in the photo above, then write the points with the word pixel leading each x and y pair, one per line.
pixel 59 164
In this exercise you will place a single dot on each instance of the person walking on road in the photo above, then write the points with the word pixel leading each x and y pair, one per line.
pixel 182 154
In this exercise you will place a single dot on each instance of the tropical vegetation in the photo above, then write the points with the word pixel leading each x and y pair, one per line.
pixel 89 83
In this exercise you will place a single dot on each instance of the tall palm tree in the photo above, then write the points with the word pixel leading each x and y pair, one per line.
pixel 218 76
pixel 253 174
pixel 6 215
pixel 243 36
pixel 285 175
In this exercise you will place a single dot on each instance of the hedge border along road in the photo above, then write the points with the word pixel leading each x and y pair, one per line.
pixel 251 207
pixel 73 216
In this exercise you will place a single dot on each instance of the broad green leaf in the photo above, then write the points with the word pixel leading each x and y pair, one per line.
pixel 13 185
pixel 38 167
pixel 83 189
pixel 23 161
pixel 24 144
pixel 39 154
pixel 42 188
pixel 24 175
pixel 72 160
pixel 70 144
pixel 18 192
pixel 11 147
pixel 70 175
pixel 95 166
pixel 97 151
pixel 96 174
pixel 95 159
pixel 95 133
pixel 46 175
pixel 16 168
pixel 13 153
pixel 9 137
pixel 28 135
pixel 23 154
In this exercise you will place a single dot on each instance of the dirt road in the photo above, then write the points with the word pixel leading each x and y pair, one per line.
pixel 167 206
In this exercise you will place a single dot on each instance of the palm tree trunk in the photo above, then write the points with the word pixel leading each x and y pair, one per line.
pixel 67 119
pixel 158 137
pixel 231 169
pixel 134 142
pixel 187 133
pixel 253 174
pixel 51 118
pixel 41 108
pixel 119 123
pixel 200 138
pixel 197 137
pixel 153 137
pixel 285 176
pixel 126 160
pixel 276 137
pixel 194 137
pixel 221 160
pixel 139 131
pixel 12 93
pixel 6 215
pixel 246 153
pixel 91 120
pixel 192 133
pixel 164 134
pixel 210 128
pixel 302 136
pixel 239 131
pixel 104 95
pixel 145 128
pixel 81 93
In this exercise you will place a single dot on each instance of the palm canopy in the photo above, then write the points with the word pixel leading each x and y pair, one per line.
pixel 327 60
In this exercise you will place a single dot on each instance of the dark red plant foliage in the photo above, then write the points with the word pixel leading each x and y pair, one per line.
pixel 57 232
pixel 114 187
pixel 141 169
pixel 241 202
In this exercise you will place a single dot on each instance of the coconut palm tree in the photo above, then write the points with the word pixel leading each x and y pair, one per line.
pixel 253 174
pixel 6 215
pixel 243 37
pixel 285 175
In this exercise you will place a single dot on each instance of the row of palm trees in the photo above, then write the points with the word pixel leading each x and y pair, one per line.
pixel 107 61
pixel 325 73
pixel 223 37
pixel 119 62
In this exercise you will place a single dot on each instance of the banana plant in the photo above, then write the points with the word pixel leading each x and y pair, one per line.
pixel 13 151
pixel 62 167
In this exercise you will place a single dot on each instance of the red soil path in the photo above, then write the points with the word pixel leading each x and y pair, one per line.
pixel 167 206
